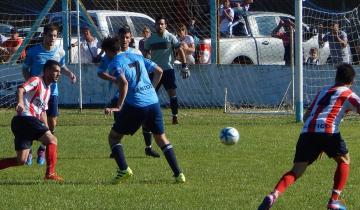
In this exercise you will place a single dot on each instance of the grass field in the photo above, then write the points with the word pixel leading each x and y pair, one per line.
pixel 218 176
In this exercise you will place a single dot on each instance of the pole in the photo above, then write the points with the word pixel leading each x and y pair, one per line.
pixel 214 30
pixel 79 54
pixel 299 61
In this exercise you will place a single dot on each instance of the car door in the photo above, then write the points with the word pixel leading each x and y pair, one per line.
pixel 270 49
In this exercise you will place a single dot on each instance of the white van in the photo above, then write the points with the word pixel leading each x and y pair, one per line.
pixel 108 22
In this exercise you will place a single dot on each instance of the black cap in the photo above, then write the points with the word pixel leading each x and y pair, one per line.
pixel 13 30
pixel 124 29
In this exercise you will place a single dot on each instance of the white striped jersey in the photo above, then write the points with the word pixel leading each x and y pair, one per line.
pixel 329 107
pixel 36 97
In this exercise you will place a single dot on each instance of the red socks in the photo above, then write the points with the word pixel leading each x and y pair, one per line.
pixel 8 162
pixel 285 181
pixel 51 158
pixel 340 178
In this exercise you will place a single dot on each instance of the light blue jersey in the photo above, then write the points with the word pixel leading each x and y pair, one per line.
pixel 37 56
pixel 135 68
pixel 162 49
pixel 104 64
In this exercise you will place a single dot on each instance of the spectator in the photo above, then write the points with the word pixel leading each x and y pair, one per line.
pixel 241 8
pixel 338 43
pixel 89 47
pixel 187 43
pixel 226 18
pixel 285 35
pixel 10 46
pixel 314 57
pixel 146 35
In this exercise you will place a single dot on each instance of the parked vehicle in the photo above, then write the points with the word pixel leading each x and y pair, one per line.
pixel 250 42
pixel 108 23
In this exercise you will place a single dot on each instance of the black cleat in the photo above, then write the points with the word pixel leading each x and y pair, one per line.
pixel 150 152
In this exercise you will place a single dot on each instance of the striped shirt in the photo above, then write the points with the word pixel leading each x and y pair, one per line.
pixel 36 97
pixel 329 107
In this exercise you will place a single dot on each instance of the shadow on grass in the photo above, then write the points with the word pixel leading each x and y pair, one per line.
pixel 101 157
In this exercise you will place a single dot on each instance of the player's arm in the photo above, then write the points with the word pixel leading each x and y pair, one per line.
pixel 123 89
pixel 157 76
pixel 66 71
pixel 26 72
pixel 106 76
pixel 20 107
pixel 306 115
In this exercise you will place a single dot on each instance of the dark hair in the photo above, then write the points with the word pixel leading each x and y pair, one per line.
pixel 50 63
pixel 111 43
pixel 124 30
pixel 50 28
pixel 345 73
pixel 333 22
pixel 157 20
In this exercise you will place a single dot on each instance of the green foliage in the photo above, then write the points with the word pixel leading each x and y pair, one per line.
pixel 218 176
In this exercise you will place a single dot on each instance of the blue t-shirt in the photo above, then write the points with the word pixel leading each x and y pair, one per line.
pixel 37 56
pixel 104 64
pixel 135 68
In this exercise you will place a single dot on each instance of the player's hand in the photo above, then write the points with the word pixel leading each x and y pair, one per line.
pixel 107 111
pixel 185 71
pixel 73 78
pixel 20 107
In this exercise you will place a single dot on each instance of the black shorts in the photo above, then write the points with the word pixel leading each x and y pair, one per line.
pixel 26 129
pixel 168 79
pixel 129 119
pixel 310 145
pixel 53 106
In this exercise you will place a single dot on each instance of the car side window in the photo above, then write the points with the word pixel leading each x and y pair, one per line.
pixel 115 22
pixel 266 25
pixel 139 23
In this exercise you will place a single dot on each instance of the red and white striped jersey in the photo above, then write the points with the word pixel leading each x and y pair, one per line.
pixel 36 97
pixel 329 107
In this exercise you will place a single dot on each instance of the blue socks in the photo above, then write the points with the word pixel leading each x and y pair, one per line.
pixel 119 156
pixel 171 159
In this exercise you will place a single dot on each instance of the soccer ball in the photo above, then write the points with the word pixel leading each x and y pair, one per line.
pixel 229 136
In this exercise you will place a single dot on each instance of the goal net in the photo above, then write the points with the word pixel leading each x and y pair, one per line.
pixel 249 74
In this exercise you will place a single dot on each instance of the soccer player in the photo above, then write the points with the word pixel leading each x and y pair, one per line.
pixel 34 62
pixel 30 122
pixel 160 48
pixel 124 36
pixel 138 105
pixel 321 134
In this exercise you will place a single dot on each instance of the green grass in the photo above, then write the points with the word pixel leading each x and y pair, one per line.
pixel 218 176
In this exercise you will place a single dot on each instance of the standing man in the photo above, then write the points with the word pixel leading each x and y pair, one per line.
pixel 321 134
pixel 338 43
pixel 124 36
pixel 34 62
pixel 226 18
pixel 160 48
pixel 138 105
pixel 89 47
pixel 30 122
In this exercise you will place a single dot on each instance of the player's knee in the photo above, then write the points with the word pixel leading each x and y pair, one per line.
pixel 114 138
pixel 21 161
pixel 343 159
pixel 161 140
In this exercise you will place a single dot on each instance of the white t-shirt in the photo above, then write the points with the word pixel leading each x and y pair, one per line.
pixel 89 50
pixel 188 40
pixel 225 22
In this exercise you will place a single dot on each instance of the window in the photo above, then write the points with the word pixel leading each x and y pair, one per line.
pixel 115 22
pixel 139 23
pixel 266 25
